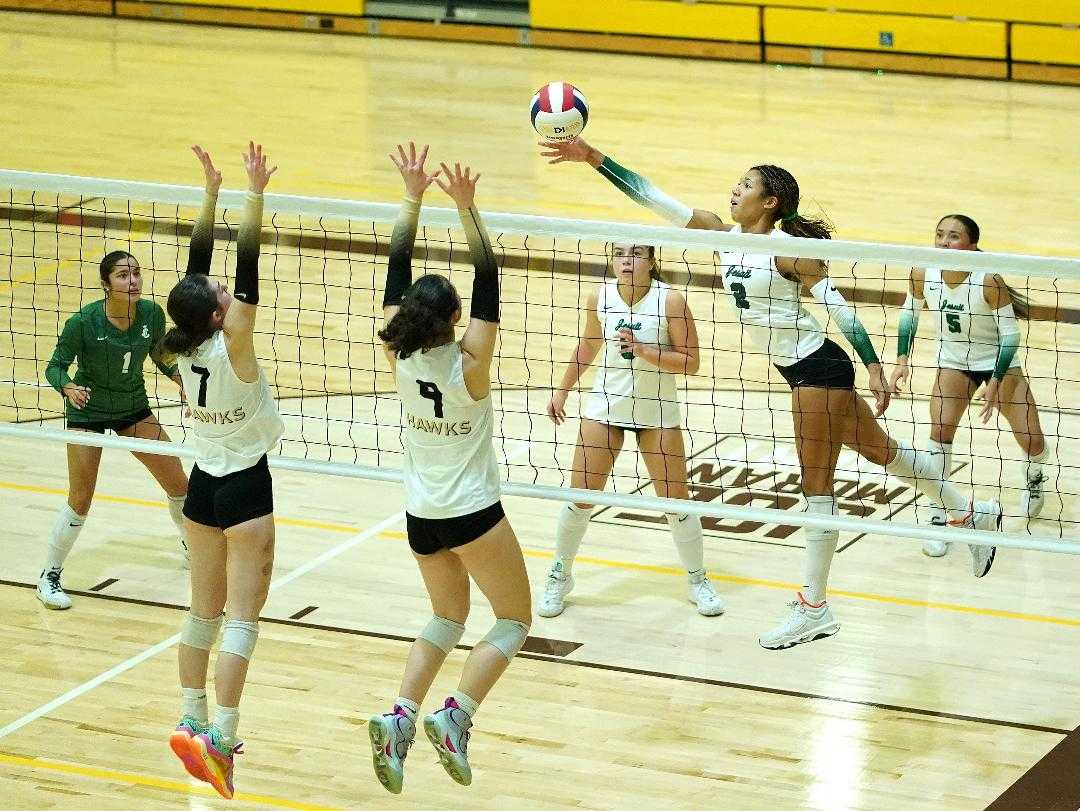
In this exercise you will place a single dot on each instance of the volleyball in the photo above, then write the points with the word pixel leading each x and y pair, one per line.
pixel 559 111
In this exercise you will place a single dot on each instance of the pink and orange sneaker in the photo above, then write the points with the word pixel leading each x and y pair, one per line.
pixel 180 743
pixel 214 760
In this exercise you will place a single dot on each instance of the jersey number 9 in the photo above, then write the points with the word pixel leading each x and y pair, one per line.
pixel 429 391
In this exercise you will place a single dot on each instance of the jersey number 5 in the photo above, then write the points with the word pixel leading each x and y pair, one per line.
pixel 953 320
pixel 204 375
pixel 741 301
pixel 429 391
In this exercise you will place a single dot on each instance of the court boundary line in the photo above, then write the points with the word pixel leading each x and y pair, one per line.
pixel 656 674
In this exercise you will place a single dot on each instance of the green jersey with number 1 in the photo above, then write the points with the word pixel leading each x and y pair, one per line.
pixel 110 360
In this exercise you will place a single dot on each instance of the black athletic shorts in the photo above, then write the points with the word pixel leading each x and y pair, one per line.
pixel 978 378
pixel 827 368
pixel 122 424
pixel 225 501
pixel 429 535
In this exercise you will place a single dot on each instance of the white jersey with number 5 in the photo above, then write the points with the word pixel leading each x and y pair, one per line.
pixel 768 304
pixel 450 467
pixel 967 330
pixel 233 423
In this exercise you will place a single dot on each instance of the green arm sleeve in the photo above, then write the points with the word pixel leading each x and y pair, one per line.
pixel 644 193
pixel 67 347
pixel 1008 339
pixel 909 325
pixel 846 320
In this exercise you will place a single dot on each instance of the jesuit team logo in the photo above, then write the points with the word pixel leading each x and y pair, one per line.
pixel 743 472
pixel 145 331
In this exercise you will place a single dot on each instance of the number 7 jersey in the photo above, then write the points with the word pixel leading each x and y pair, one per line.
pixel 233 423
pixel 450 467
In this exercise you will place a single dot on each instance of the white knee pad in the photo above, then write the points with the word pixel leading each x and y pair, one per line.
pixel 444 634
pixel 508 636
pixel 199 633
pixel 239 638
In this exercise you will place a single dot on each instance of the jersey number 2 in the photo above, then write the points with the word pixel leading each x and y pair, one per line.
pixel 953 320
pixel 741 301
pixel 429 391
pixel 204 375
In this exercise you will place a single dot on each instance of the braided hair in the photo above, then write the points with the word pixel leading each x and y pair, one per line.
pixel 781 184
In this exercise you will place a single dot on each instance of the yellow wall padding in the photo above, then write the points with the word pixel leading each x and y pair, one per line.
pixel 885 32
pixel 1031 11
pixel 1045 43
pixel 661 18
pixel 309 6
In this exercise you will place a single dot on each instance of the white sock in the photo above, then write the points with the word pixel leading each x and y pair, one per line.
pixel 1033 465
pixel 65 530
pixel 227 719
pixel 922 470
pixel 820 547
pixel 686 530
pixel 569 530
pixel 944 450
pixel 411 707
pixel 176 512
pixel 194 704
pixel 467 704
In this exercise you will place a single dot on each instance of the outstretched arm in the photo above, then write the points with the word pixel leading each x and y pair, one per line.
pixel 201 248
pixel 909 326
pixel 399 268
pixel 633 185
pixel 478 342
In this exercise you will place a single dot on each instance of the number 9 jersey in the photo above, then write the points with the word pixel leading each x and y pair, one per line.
pixel 234 423
pixel 450 468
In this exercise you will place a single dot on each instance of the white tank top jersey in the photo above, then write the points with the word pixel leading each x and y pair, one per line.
pixel 233 423
pixel 633 393
pixel 450 467
pixel 768 305
pixel 967 330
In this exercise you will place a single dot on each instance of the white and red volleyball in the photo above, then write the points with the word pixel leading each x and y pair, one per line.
pixel 559 111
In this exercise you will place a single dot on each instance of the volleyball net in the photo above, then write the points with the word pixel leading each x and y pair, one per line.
pixel 322 273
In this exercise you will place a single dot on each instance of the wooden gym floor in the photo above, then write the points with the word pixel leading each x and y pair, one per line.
pixel 940 691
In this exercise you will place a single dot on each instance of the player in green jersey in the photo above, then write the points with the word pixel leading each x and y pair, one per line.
pixel 110 340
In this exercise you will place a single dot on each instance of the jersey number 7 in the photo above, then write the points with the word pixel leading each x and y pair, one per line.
pixel 204 375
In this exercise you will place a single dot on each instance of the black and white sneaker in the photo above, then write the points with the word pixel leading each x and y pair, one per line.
pixel 50 592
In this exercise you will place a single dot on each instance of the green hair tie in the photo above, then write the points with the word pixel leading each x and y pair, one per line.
pixel 790 217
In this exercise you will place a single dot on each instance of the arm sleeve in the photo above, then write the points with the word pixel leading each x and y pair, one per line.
pixel 485 292
pixel 165 361
pixel 247 251
pixel 1008 339
pixel 909 325
pixel 399 269
pixel 67 347
pixel 844 316
pixel 642 192
pixel 201 249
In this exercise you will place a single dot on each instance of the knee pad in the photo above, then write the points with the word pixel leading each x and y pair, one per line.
pixel 239 638
pixel 444 634
pixel 508 636
pixel 821 505
pixel 199 633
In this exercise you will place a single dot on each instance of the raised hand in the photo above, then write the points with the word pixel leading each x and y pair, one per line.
pixel 78 396
pixel 459 185
pixel 412 170
pixel 255 163
pixel 213 176
pixel 575 151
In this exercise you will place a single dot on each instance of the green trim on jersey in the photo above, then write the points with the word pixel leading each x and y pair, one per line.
pixel 1006 352
pixel 110 361
pixel 909 325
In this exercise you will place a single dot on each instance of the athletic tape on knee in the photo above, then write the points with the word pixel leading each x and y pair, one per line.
pixel 508 636
pixel 821 505
pixel 239 638
pixel 199 633
pixel 444 634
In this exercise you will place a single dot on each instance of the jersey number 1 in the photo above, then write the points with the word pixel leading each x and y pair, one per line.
pixel 204 375
pixel 741 301
pixel 429 391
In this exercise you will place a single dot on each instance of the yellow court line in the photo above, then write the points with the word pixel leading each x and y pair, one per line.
pixel 638 567
pixel 154 782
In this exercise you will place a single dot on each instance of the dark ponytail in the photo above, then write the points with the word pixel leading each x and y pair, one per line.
pixel 110 261
pixel 425 317
pixel 780 183
pixel 1021 303
pixel 190 305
